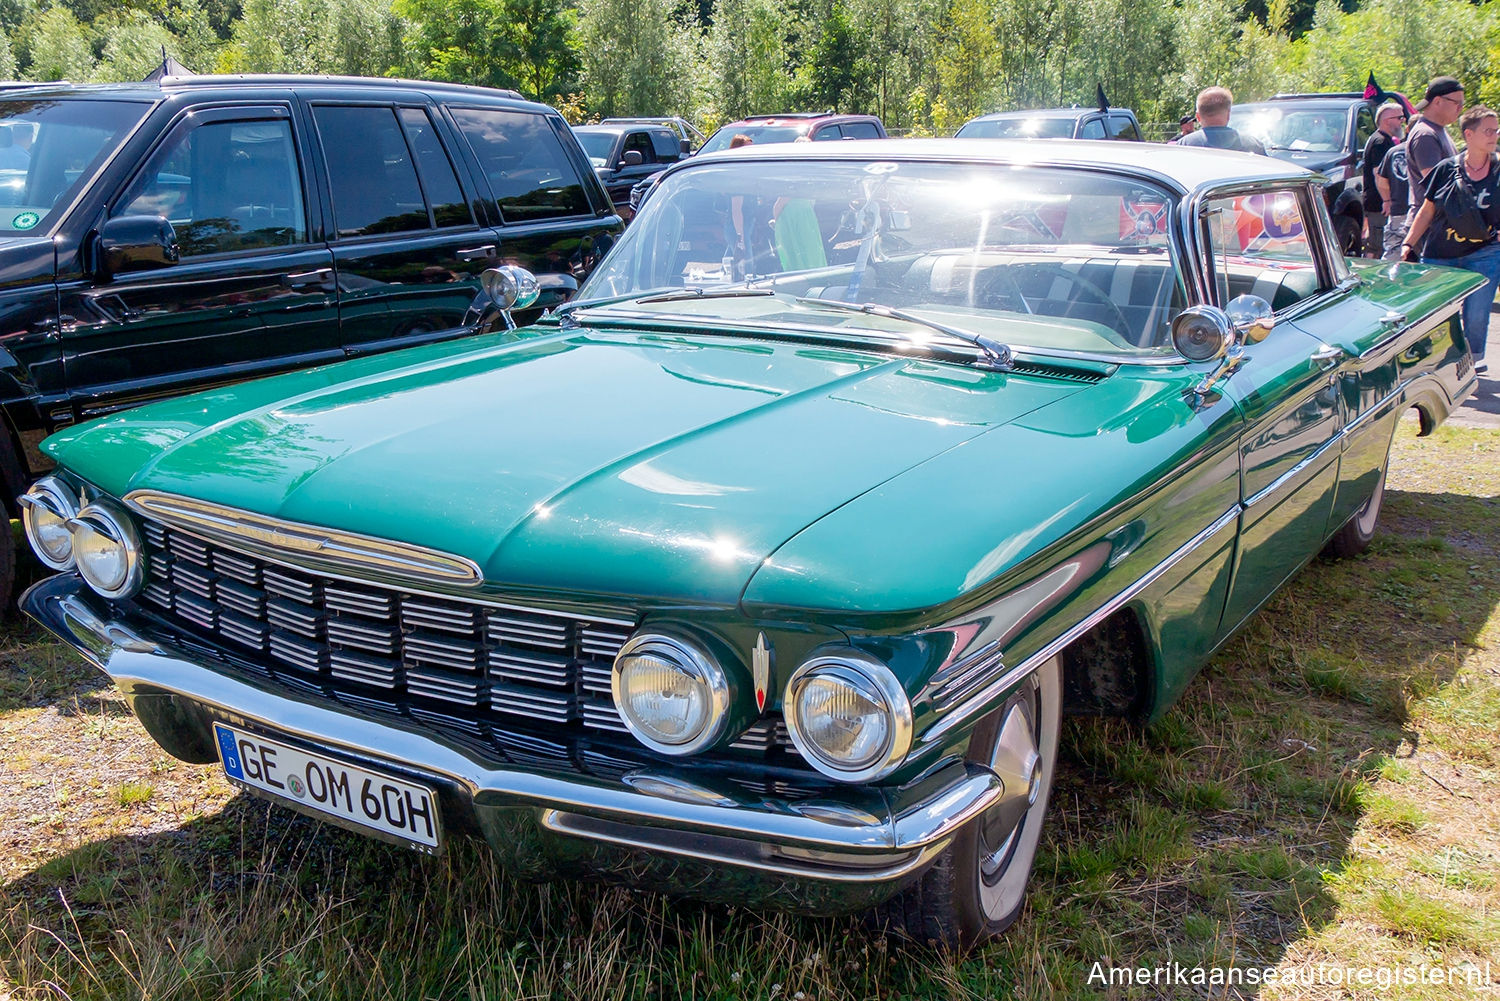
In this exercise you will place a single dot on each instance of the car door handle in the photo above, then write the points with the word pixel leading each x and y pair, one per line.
pixel 1393 318
pixel 305 278
pixel 483 253
pixel 1327 357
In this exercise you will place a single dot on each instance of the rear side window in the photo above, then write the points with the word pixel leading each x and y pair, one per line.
pixel 439 179
pixel 370 170
pixel 828 133
pixel 640 142
pixel 225 186
pixel 860 130
pixel 524 161
pixel 668 147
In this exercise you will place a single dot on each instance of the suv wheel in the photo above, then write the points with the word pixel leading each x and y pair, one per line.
pixel 1349 229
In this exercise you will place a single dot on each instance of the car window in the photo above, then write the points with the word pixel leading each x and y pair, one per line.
pixel 667 146
pixel 370 171
pixel 1018 128
pixel 860 130
pixel 1364 126
pixel 55 149
pixel 1092 129
pixel 225 186
pixel 524 161
pixel 1260 247
pixel 1123 127
pixel 439 179
pixel 639 142
pixel 828 133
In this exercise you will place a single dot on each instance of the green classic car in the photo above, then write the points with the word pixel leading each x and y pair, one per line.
pixel 765 570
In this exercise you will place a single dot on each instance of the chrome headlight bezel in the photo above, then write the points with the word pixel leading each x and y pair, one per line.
pixel 695 663
pixel 873 680
pixel 49 497
pixel 111 523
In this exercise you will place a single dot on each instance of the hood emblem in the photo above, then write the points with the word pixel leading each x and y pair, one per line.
pixel 760 669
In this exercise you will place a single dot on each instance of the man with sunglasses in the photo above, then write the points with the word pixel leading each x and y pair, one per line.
pixel 1427 142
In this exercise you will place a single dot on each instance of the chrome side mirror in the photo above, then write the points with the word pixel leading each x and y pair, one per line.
pixel 510 287
pixel 1202 333
pixel 1252 317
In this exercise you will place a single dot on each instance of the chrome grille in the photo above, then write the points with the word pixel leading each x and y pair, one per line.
pixel 437 658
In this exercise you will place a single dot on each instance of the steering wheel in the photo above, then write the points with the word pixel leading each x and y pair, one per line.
pixel 1080 290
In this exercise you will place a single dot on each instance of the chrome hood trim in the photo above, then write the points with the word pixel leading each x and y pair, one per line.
pixel 305 544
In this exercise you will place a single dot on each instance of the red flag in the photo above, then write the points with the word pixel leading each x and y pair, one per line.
pixel 1372 89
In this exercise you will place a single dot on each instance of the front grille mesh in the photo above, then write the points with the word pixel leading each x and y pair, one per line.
pixel 437 658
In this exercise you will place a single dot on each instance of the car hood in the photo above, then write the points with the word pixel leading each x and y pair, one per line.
pixel 661 467
pixel 1319 160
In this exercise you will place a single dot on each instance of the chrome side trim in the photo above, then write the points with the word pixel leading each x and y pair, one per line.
pixel 971 706
pixel 1406 329
pixel 311 543
pixel 1285 479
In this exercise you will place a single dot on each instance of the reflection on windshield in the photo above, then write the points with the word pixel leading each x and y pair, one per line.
pixel 1052 258
pixel 50 148
pixel 596 146
pixel 1316 130
pixel 762 134
pixel 1018 128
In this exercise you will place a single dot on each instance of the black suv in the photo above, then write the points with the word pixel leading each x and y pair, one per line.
pixel 1322 132
pixel 161 237
pixel 625 154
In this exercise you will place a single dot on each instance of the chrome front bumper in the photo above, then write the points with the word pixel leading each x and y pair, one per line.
pixel 690 831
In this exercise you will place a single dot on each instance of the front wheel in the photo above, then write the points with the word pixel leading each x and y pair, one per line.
pixel 1356 534
pixel 1349 231
pixel 977 887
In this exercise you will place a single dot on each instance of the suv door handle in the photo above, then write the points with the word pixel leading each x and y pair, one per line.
pixel 1327 357
pixel 305 278
pixel 483 253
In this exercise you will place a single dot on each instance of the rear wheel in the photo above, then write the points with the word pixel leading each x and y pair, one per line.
pixel 1359 531
pixel 977 887
pixel 1349 231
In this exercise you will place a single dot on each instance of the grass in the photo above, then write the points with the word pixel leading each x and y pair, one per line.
pixel 1326 794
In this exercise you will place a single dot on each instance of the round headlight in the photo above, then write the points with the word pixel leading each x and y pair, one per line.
pixel 671 694
pixel 45 511
pixel 848 715
pixel 107 550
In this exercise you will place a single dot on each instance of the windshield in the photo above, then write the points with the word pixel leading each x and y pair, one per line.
pixel 755 133
pixel 597 147
pixel 1064 259
pixel 50 148
pixel 1018 128
pixel 1314 129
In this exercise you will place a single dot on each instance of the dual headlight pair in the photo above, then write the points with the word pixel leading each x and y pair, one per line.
pixel 97 537
pixel 845 711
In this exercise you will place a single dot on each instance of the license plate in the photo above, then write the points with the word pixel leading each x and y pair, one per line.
pixel 367 800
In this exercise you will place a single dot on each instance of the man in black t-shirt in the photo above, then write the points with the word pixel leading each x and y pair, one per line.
pixel 1427 139
pixel 1390 180
pixel 1388 126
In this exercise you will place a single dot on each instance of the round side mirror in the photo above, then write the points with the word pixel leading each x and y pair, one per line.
pixel 510 287
pixel 1251 316
pixel 1202 333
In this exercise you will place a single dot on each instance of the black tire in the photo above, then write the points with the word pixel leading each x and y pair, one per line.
pixel 1348 229
pixel 977 887
pixel 8 571
pixel 1356 534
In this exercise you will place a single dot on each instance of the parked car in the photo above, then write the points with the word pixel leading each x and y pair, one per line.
pixel 816 126
pixel 164 237
pixel 625 154
pixel 1055 123
pixel 763 129
pixel 687 133
pixel 1322 132
pixel 764 570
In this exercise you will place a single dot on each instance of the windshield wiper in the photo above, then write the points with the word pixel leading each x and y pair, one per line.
pixel 997 356
pixel 698 293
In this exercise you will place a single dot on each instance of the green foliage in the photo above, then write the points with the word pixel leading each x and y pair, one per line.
pixel 747 54
pixel 58 47
pixel 640 57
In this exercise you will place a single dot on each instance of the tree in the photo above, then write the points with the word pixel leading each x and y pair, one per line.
pixel 640 57
pixel 58 48
pixel 748 58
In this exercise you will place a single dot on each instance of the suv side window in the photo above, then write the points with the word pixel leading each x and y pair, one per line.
pixel 370 171
pixel 225 186
pixel 1092 129
pixel 859 130
pixel 641 143
pixel 439 179
pixel 828 133
pixel 528 170
pixel 1364 127
pixel 667 146
pixel 1121 127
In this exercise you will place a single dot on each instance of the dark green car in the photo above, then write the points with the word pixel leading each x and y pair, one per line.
pixel 765 570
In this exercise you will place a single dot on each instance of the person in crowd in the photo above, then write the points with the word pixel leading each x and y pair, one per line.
pixel 1388 125
pixel 1458 223
pixel 1185 126
pixel 1427 142
pixel 1215 130
pixel 1390 180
